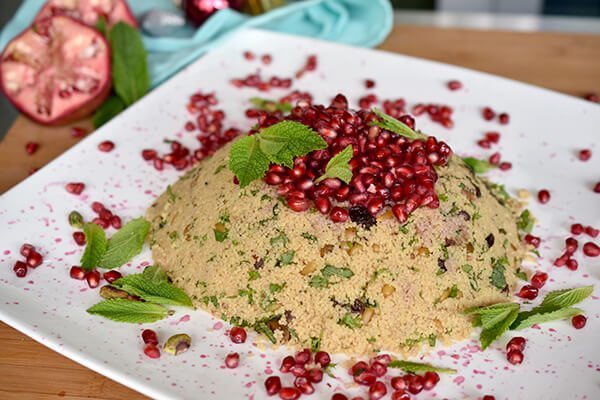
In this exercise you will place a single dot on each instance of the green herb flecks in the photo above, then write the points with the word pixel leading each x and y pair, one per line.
pixel 416 368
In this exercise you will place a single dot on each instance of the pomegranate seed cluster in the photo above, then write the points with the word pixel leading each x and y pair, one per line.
pixel 256 81
pixel 388 170
pixel 514 350
pixel 105 218
pixel 33 259
pixel 208 120
pixel 440 113
pixel 309 65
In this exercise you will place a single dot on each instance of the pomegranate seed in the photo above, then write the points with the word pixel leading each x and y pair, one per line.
pixel 338 396
pixel 115 222
pixel 34 259
pixel 75 187
pixel 237 334
pixel 503 118
pixel 289 393
pixel 298 370
pixel 488 397
pixel 20 269
pixel 158 164
pixel 384 359
pixel 593 97
pixel 505 166
pixel 322 358
pixel 590 231
pixel 561 261
pixel 149 337
pixel 571 245
pixel 273 385
pixel 400 395
pixel 149 154
pixel 297 204
pixel 591 249
pixel 528 292
pixel 31 147
pixel 572 264
pixel 357 368
pixel 303 385
pixel 111 276
pixel 578 321
pixel 101 222
pixel 539 279
pixel 248 55
pixel 488 114
pixel 585 154
pixel 532 240
pixel 77 273
pixel 315 375
pixel 26 249
pixel 398 383
pixel 377 391
pixel 98 207
pixel 543 196
pixel 483 143
pixel 494 159
pixel 493 137
pixel 365 378
pixel 78 132
pixel 454 85
pixel 79 238
pixel 515 357
pixel 369 83
pixel 106 146
pixel 266 59
pixel 287 364
pixel 105 215
pixel 339 214
pixel 189 126
pixel 516 343
pixel 303 357
pixel 92 278
pixel 597 187
pixel 378 369
pixel 577 229
pixel 430 380
pixel 415 384
pixel 232 360
pixel 151 351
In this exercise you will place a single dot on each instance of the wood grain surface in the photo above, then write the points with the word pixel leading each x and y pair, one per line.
pixel 568 63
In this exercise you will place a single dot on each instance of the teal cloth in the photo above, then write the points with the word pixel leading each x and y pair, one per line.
pixel 355 22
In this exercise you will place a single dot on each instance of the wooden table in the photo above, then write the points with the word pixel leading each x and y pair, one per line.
pixel 567 63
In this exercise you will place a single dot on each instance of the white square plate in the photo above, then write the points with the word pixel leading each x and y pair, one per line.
pixel 545 131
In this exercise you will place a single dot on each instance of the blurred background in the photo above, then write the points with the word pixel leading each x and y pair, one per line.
pixel 579 16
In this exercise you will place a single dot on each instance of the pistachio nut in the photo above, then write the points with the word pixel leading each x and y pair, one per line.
pixel 178 344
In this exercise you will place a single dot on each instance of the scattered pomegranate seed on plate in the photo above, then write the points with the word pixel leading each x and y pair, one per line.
pixel 75 187
pixel 543 196
pixel 106 146
pixel 237 334
pixel 150 337
pixel 591 249
pixel 31 147
pixel 585 154
pixel 232 360
pixel 152 351
pixel 20 269
pixel 454 85
pixel 578 321
pixel 515 357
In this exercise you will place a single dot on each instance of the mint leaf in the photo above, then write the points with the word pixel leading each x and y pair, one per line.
pixel 393 125
pixel 247 161
pixel 416 368
pixel 525 221
pixel 151 291
pixel 339 167
pixel 538 318
pixel 131 79
pixel 555 301
pixel 478 166
pixel 330 270
pixel 270 105
pixel 126 243
pixel 495 326
pixel 154 273
pixel 107 111
pixel 497 278
pixel 95 246
pixel 134 312
pixel 350 321
pixel 285 140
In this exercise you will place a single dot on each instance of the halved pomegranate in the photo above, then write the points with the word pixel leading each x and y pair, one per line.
pixel 89 11
pixel 56 71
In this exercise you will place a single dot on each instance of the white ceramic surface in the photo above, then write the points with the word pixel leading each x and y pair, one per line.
pixel 545 131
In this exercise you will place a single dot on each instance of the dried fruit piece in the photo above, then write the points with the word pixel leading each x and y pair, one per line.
pixel 57 71
pixel 89 11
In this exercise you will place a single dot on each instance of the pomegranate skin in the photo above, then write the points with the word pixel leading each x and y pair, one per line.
pixel 120 12
pixel 78 109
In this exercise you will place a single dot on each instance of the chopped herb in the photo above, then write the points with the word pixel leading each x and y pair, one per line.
pixel 253 275
pixel 521 275
pixel 275 288
pixel 171 195
pixel 220 236
pixel 309 237
pixel 478 166
pixel 220 168
pixel 350 321
pixel 286 258
pixel 262 327
pixel 280 240
pixel 497 278
pixel 443 197
pixel 525 221
pixel 415 367
pixel 315 344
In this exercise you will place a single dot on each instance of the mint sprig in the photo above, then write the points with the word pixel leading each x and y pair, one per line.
pixel 416 368
pixel 338 166
pixel 250 156
pixel 498 318
pixel 393 125
pixel 122 246
pixel 122 310
pixel 95 247
pixel 478 166
pixel 148 289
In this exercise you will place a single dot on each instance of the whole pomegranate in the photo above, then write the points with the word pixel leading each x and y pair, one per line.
pixel 198 11
pixel 89 11
pixel 56 71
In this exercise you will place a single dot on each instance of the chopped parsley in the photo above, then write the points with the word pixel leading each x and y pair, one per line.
pixel 350 321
